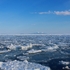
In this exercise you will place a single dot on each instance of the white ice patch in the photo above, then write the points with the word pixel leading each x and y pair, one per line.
pixel 66 68
pixel 64 62
pixel 54 47
pixel 13 47
pixel 1 64
pixel 38 45
pixel 34 51
pixel 23 57
pixel 26 47
pixel 18 65
pixel 4 51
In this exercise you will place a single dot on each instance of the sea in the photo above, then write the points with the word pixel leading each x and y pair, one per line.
pixel 34 52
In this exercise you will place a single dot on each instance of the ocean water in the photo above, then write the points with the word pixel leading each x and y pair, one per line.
pixel 34 52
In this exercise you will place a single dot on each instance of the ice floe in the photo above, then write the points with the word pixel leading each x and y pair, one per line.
pixel 64 62
pixel 34 51
pixel 25 65
pixel 4 51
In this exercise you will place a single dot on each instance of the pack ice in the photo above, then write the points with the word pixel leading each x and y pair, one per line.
pixel 18 65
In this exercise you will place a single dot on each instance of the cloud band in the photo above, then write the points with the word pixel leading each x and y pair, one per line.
pixel 56 12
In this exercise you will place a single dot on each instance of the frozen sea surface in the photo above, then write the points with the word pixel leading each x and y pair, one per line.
pixel 35 52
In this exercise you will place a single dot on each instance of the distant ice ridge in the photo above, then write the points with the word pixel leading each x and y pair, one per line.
pixel 52 47
pixel 25 65
pixel 15 47
pixel 30 46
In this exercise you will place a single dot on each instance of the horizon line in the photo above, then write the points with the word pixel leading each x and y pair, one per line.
pixel 34 34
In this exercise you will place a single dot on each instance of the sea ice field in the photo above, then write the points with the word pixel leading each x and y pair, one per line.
pixel 34 52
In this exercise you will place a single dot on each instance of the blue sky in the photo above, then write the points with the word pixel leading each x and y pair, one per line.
pixel 31 16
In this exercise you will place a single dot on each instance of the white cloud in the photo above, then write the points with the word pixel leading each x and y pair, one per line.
pixel 62 12
pixel 49 12
pixel 55 12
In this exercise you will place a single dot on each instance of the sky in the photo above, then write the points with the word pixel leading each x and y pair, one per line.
pixel 34 16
